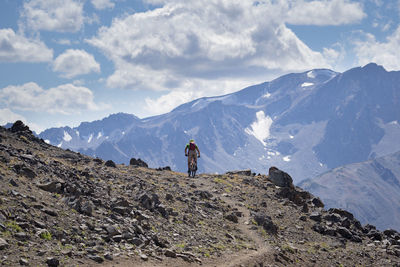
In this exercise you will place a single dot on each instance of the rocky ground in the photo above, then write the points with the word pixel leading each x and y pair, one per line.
pixel 60 208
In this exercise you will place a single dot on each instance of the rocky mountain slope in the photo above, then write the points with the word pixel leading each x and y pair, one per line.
pixel 61 208
pixel 368 189
pixel 305 123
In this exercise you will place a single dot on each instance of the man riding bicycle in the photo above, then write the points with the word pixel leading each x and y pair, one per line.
pixel 190 152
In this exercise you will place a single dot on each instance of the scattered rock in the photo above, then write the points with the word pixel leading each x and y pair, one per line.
pixel 240 172
pixel 232 217
pixel 52 262
pixel 13 182
pixel 137 242
pixel 344 232
pixel 52 186
pixel 316 216
pixel 342 213
pixel 3 244
pixel 170 253
pixel 138 162
pixel 50 212
pixel 317 202
pixel 266 222
pixel 108 256
pixel 19 126
pixel 166 168
pixel 280 178
pixel 22 236
pixel 23 262
pixel 169 197
pixel 25 171
pixel 96 258
pixel 110 163
pixel 144 257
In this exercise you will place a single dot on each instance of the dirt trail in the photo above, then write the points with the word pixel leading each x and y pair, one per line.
pixel 243 258
pixel 250 257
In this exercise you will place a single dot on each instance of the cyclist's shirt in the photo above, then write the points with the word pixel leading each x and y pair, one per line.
pixel 191 146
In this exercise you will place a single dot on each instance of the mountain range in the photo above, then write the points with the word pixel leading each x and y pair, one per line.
pixel 306 123
pixel 368 189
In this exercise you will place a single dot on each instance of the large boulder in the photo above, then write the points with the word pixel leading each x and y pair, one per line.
pixel 266 222
pixel 280 178
pixel 19 126
pixel 138 162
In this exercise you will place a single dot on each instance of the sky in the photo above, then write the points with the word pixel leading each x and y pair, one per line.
pixel 63 62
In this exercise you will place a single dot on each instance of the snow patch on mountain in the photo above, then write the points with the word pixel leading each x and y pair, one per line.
pixel 192 132
pixel 307 84
pixel 267 95
pixel 67 137
pixel 99 135
pixel 90 138
pixel 260 128
pixel 311 74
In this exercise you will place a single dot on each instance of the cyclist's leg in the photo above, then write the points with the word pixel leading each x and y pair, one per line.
pixel 190 157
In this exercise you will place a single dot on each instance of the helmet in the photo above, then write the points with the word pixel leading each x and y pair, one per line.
pixel 191 141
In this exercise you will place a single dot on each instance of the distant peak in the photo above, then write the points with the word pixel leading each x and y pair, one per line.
pixel 373 66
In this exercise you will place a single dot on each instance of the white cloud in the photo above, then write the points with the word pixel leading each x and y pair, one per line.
pixel 7 116
pixel 333 12
pixel 18 48
pixel 75 62
pixel 191 91
pixel 63 99
pixel 383 53
pixel 53 15
pixel 103 4
pixel 167 102
pixel 194 48
pixel 196 40
pixel 63 42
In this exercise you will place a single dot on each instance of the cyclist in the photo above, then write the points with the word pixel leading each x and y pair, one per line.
pixel 192 151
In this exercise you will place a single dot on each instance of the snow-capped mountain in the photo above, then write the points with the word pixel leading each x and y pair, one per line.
pixel 304 123
pixel 89 136
pixel 370 190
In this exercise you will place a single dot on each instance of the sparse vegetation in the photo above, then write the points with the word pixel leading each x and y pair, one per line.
pixel 13 226
pixel 132 218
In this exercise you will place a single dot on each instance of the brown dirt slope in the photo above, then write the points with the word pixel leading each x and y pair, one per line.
pixel 60 208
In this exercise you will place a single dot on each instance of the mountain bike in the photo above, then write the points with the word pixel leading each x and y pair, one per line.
pixel 192 168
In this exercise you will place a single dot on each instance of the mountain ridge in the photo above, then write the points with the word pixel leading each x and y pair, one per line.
pixel 368 189
pixel 297 122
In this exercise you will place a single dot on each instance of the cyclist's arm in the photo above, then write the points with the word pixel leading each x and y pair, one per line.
pixel 186 149
pixel 198 151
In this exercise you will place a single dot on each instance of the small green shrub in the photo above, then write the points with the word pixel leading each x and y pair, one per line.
pixel 14 226
pixel 46 235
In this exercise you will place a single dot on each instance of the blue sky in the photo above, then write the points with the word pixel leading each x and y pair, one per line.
pixel 67 61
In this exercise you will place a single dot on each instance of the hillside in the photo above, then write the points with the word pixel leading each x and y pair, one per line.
pixel 368 189
pixel 61 208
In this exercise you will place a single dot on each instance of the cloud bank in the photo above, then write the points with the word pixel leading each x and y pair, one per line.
pixel 385 53
pixel 63 99
pixel 53 15
pixel 17 48
pixel 182 44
